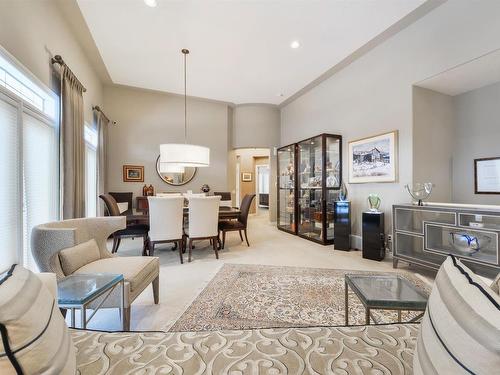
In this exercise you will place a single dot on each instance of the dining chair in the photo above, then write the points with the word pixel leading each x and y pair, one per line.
pixel 132 230
pixel 165 222
pixel 225 200
pixel 124 197
pixel 240 224
pixel 203 222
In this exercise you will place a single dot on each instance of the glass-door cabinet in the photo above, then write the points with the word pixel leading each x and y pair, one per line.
pixel 287 204
pixel 319 171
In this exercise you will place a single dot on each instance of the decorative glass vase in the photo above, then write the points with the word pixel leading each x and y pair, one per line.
pixel 374 202
pixel 343 192
pixel 419 191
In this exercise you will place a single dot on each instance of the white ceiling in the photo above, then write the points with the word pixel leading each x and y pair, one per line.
pixel 469 76
pixel 240 50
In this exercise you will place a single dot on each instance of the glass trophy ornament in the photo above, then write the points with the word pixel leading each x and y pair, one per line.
pixel 343 192
pixel 419 191
pixel 374 202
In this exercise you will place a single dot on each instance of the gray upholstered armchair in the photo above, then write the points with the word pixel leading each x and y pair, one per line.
pixel 47 240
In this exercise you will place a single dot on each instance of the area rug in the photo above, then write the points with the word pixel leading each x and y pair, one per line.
pixel 244 296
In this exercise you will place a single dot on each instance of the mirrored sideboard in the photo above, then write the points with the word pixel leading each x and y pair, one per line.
pixel 425 235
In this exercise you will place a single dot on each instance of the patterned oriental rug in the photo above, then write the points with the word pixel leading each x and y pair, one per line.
pixel 244 296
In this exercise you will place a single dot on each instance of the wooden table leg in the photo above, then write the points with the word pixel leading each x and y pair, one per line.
pixel 399 316
pixel 367 315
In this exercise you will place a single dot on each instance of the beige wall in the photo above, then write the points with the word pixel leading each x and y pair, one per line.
pixel 256 125
pixel 477 135
pixel 35 31
pixel 374 93
pixel 145 119
pixel 433 133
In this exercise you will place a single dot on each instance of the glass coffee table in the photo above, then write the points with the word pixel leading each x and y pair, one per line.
pixel 384 292
pixel 78 291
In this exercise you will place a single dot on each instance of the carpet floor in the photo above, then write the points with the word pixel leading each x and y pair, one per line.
pixel 242 296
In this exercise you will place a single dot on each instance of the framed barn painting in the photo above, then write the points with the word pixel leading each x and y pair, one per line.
pixel 133 173
pixel 374 159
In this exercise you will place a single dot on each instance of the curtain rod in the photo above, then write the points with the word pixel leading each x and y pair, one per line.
pixel 57 59
pixel 98 109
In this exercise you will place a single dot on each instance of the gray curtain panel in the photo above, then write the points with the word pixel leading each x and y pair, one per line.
pixel 72 147
pixel 102 158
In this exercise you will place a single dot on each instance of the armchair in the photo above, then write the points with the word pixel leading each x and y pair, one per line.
pixel 47 240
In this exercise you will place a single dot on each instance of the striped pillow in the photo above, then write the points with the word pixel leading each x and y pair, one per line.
pixel 35 338
pixel 460 331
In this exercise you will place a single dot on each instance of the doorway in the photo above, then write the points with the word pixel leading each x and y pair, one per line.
pixel 262 187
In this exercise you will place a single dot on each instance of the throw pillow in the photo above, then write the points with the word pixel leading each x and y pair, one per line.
pixel 35 339
pixel 460 331
pixel 77 256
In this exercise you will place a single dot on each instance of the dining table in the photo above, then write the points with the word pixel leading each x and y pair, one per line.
pixel 225 213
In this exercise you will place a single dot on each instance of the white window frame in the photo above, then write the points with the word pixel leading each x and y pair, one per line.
pixel 24 106
pixel 89 145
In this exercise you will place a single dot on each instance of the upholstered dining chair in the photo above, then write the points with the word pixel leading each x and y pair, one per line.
pixel 166 216
pixel 225 198
pixel 51 242
pixel 240 224
pixel 203 221
pixel 124 197
pixel 131 230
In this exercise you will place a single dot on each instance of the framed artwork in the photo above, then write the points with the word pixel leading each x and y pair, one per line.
pixel 133 173
pixel 374 159
pixel 246 177
pixel 487 176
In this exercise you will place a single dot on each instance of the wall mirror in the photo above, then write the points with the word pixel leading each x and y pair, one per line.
pixel 175 178
pixel 455 122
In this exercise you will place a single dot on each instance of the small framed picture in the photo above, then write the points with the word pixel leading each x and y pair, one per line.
pixel 487 176
pixel 133 173
pixel 246 177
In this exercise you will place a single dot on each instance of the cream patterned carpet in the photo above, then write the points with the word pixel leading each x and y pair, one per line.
pixel 368 350
pixel 255 296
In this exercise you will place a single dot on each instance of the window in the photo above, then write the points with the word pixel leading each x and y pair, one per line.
pixel 29 154
pixel 90 171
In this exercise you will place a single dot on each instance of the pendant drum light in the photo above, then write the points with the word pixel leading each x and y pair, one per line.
pixel 180 155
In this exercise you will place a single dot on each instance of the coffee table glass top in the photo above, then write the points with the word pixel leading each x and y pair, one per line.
pixel 78 289
pixel 386 291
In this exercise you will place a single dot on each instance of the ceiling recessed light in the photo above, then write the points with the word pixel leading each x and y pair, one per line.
pixel 295 44
pixel 151 3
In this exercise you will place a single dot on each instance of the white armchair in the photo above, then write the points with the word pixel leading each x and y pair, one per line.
pixel 47 240
pixel 203 221
pixel 165 221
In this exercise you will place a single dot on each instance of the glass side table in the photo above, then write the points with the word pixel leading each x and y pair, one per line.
pixel 384 292
pixel 77 291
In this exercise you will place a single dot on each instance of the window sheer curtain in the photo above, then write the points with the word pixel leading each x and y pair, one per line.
pixel 72 146
pixel 102 158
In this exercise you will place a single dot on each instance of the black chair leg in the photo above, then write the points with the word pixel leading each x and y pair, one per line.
pixel 175 246
pixel 223 238
pixel 115 245
pixel 151 248
pixel 145 246
pixel 181 248
pixel 190 249
pixel 214 246
pixel 241 236
pixel 246 237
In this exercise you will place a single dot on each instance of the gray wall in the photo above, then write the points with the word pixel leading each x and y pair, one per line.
pixel 35 31
pixel 374 93
pixel 256 125
pixel 433 132
pixel 145 119
pixel 477 135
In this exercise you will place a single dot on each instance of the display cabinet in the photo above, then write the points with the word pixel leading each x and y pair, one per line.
pixel 287 184
pixel 425 235
pixel 310 174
